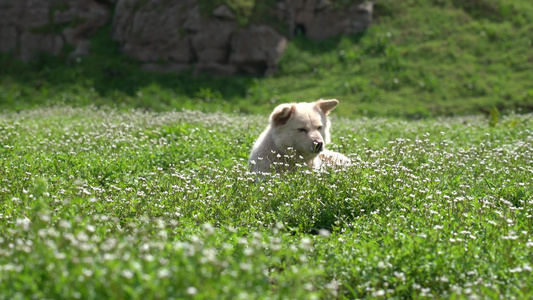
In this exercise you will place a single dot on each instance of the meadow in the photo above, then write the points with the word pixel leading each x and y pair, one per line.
pixel 100 203
pixel 117 183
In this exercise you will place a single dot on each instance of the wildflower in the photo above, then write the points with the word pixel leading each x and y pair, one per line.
pixel 163 273
pixel 248 251
pixel 87 272
pixel 127 273
pixel 208 228
pixel 191 291
pixel 245 266
pixel 333 287
pixel 324 232
pixel 23 223
pixel 305 243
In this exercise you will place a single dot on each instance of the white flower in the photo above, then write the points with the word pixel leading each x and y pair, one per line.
pixel 127 273
pixel 23 223
pixel 208 228
pixel 305 243
pixel 333 286
pixel 324 232
pixel 191 290
pixel 245 266
pixel 163 273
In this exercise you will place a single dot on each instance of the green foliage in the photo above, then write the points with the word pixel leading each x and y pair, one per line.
pixel 102 203
pixel 494 117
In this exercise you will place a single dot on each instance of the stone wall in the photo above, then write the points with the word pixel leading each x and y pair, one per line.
pixel 174 35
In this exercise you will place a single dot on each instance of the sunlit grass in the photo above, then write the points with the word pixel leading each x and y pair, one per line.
pixel 101 203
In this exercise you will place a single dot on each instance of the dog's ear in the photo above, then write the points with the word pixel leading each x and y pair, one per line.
pixel 281 114
pixel 327 105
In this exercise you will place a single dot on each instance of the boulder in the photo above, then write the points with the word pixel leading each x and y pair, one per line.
pixel 224 12
pixel 165 68
pixel 210 37
pixel 8 36
pixel 321 19
pixel 173 30
pixel 257 49
pixel 32 44
pixel 30 27
pixel 86 17
pixel 153 30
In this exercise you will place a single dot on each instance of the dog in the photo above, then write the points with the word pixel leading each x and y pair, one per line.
pixel 296 135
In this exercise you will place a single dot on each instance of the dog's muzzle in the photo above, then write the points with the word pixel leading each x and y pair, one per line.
pixel 318 147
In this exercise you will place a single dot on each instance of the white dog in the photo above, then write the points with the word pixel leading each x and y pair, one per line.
pixel 297 133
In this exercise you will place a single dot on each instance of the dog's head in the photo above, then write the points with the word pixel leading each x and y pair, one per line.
pixel 302 126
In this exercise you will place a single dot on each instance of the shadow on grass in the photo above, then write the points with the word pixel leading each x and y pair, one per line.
pixel 107 72
pixel 327 45
pixel 119 78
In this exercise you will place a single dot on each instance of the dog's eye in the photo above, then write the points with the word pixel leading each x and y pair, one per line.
pixel 319 128
pixel 302 130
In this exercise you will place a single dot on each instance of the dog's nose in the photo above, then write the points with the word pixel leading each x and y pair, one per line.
pixel 317 146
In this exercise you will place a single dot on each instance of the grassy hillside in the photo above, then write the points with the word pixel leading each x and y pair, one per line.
pixel 103 204
pixel 421 58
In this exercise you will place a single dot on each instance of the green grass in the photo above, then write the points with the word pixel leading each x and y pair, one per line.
pixel 419 59
pixel 102 203
pixel 121 184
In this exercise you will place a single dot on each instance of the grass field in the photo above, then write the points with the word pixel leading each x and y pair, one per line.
pixel 107 204
pixel 121 184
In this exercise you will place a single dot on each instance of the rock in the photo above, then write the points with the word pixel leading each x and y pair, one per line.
pixel 86 18
pixel 171 30
pixel 361 17
pixel 257 49
pixel 211 42
pixel 165 68
pixel 193 22
pixel 170 36
pixel 29 14
pixel 153 30
pixel 30 27
pixel 16 18
pixel 210 38
pixel 215 68
pixel 224 12
pixel 32 44
pixel 8 36
pixel 319 19
pixel 326 24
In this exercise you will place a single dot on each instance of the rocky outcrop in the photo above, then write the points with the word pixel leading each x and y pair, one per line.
pixel 257 49
pixel 169 36
pixel 215 43
pixel 176 31
pixel 153 31
pixel 321 19
pixel 30 27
